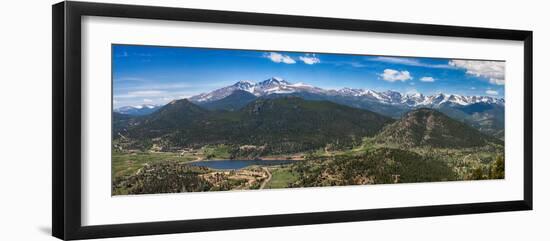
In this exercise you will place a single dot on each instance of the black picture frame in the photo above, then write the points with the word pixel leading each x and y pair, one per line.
pixel 66 158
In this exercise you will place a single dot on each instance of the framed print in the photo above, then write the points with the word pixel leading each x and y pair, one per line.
pixel 169 120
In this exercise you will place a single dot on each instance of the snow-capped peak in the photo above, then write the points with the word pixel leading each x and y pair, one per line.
pixel 415 95
pixel 273 81
pixel 350 91
pixel 137 109
pixel 245 85
pixel 373 94
pixel 244 82
pixel 277 78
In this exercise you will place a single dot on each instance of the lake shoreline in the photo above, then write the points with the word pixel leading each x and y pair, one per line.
pixel 268 158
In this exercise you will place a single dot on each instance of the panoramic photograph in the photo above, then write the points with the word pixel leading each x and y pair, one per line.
pixel 187 119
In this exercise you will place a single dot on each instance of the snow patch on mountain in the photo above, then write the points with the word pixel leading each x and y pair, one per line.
pixel 137 109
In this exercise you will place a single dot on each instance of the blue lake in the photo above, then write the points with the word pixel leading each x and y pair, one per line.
pixel 238 164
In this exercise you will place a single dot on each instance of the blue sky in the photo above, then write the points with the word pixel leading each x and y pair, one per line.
pixel 157 75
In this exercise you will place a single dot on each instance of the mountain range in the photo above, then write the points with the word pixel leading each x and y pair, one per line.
pixel 137 110
pixel 289 124
pixel 484 113
pixel 276 85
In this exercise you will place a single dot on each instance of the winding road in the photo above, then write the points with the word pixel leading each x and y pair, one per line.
pixel 266 181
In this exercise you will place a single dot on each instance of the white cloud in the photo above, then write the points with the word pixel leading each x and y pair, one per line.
pixel 147 100
pixel 280 58
pixel 427 79
pixel 357 65
pixel 310 59
pixel 490 70
pixel 491 92
pixel 410 62
pixel 392 75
